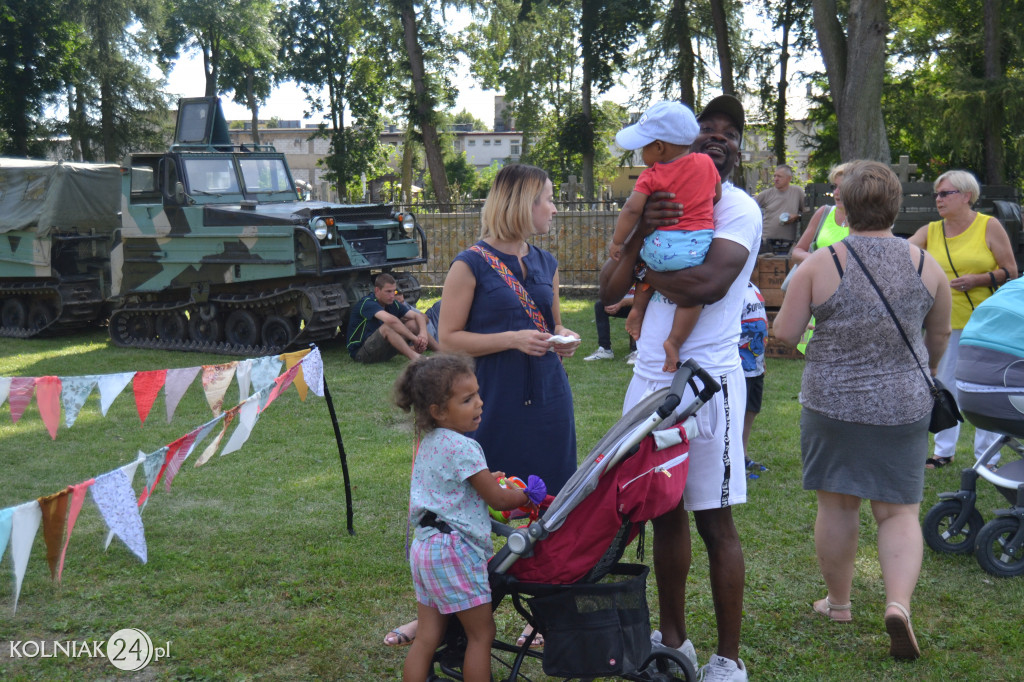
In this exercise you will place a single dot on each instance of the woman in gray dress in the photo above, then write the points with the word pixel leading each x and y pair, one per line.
pixel 866 406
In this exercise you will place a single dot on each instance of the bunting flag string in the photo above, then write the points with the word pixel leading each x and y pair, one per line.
pixel 53 393
pixel 113 492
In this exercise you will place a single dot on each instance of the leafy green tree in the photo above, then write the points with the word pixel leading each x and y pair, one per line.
pixel 114 105
pixel 462 175
pixel 466 118
pixel 216 28
pixel 251 67
pixel 960 89
pixel 793 22
pixel 37 50
pixel 335 51
pixel 428 55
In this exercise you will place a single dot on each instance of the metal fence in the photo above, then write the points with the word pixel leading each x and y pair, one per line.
pixel 579 239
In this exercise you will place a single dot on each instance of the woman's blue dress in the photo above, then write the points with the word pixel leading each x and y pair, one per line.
pixel 527 426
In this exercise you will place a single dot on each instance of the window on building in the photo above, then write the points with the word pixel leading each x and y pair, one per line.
pixel 497 143
pixel 514 147
pixel 472 143
pixel 487 143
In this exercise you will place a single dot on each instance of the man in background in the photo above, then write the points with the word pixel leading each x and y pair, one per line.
pixel 781 207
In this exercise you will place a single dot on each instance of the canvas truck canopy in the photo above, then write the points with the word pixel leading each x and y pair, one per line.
pixel 54 195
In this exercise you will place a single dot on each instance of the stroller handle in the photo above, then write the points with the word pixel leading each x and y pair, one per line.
pixel 683 376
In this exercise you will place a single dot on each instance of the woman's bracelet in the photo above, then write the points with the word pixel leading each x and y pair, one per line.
pixel 1003 268
pixel 992 276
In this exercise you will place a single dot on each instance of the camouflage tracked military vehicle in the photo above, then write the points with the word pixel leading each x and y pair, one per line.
pixel 215 252
pixel 58 224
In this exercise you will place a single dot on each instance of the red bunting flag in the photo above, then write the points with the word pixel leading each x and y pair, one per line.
pixel 146 385
pixel 48 399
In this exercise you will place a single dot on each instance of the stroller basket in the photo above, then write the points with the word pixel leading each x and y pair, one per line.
pixel 593 630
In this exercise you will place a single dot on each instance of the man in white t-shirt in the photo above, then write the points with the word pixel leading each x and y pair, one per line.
pixel 716 479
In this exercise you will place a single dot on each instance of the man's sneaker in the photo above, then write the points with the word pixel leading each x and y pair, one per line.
pixel 600 354
pixel 631 358
pixel 721 669
pixel 686 649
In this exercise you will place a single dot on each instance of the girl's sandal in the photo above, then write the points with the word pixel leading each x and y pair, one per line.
pixel 826 608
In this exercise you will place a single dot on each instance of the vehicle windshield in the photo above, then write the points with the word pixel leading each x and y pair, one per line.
pixel 211 176
pixel 265 175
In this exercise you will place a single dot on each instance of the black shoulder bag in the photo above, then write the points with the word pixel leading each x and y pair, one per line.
pixel 945 413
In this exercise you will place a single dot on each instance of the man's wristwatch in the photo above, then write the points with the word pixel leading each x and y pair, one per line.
pixel 640 271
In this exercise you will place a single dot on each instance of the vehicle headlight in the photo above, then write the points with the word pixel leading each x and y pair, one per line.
pixel 320 229
pixel 408 221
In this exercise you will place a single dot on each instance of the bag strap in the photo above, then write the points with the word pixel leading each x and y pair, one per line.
pixel 524 296
pixel 951 266
pixel 892 314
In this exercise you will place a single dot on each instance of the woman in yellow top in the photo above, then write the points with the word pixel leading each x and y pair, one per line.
pixel 975 252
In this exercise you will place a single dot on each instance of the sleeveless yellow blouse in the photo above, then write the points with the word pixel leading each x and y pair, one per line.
pixel 971 255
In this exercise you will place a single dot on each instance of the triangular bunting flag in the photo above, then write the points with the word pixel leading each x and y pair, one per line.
pixel 77 498
pixel 248 413
pixel 290 360
pixel 5 529
pixel 177 453
pixel 154 466
pixel 55 514
pixel 48 400
pixel 313 371
pixel 229 417
pixel 216 379
pixel 177 382
pixel 21 394
pixel 264 371
pixel 281 384
pixel 24 525
pixel 111 386
pixel 5 389
pixel 74 392
pixel 129 472
pixel 146 386
pixel 243 374
pixel 112 492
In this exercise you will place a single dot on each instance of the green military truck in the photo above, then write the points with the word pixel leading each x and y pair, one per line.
pixel 214 251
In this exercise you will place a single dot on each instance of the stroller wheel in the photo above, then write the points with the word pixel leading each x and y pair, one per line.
pixel 666 665
pixel 937 533
pixel 994 550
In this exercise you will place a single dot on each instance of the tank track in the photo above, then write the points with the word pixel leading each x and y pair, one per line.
pixel 48 307
pixel 257 324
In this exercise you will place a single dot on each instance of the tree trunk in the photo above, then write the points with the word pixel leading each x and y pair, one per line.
pixel 724 50
pixel 254 106
pixel 587 28
pixel 684 53
pixel 992 110
pixel 780 104
pixel 407 154
pixel 423 107
pixel 855 66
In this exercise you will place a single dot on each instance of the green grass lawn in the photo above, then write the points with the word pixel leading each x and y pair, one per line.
pixel 252 575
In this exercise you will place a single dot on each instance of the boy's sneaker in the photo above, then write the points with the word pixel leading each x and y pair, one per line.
pixel 600 354
pixel 631 358
pixel 721 669
pixel 686 649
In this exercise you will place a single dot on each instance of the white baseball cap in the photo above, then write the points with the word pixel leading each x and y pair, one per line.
pixel 671 122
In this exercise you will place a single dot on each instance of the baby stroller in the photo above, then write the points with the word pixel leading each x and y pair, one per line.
pixel 990 385
pixel 562 572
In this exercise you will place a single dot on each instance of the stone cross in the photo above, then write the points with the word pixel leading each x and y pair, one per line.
pixel 571 188
pixel 904 168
